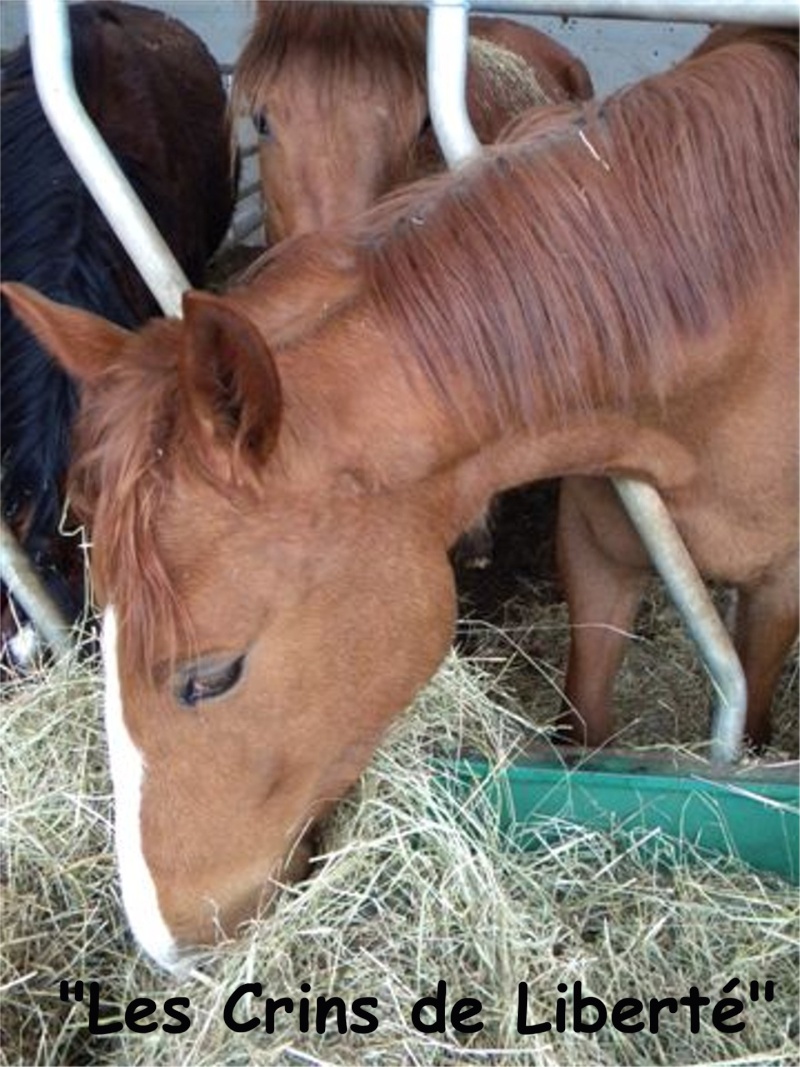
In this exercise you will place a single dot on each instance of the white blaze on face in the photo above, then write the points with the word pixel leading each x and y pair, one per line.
pixel 127 774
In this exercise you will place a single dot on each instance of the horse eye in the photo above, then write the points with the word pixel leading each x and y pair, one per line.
pixel 208 680
pixel 262 125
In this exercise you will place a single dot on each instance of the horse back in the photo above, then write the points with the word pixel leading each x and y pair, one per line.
pixel 153 88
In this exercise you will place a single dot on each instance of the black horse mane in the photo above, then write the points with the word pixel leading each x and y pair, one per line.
pixel 56 239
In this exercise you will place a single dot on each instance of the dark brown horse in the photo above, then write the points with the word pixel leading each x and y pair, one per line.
pixel 338 94
pixel 274 481
pixel 154 90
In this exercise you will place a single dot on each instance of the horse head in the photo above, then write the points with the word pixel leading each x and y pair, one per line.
pixel 260 629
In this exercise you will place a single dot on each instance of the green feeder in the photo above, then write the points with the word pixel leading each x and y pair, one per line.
pixel 750 814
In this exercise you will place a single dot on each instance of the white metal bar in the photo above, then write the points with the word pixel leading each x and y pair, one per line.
pixel 26 588
pixel 691 598
pixel 758 12
pixel 51 54
pixel 51 51
pixel 448 33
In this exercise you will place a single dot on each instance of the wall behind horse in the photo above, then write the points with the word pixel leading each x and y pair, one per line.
pixel 616 51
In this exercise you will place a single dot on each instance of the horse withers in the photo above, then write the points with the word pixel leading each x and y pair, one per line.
pixel 154 91
pixel 338 96
pixel 274 481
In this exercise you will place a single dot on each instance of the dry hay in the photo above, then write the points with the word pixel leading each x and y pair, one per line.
pixel 417 887
pixel 508 82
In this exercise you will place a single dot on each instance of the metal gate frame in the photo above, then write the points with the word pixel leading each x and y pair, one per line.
pixel 447 51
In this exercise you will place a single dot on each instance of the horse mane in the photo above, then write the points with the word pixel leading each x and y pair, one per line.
pixel 566 267
pixel 378 41
pixel 132 444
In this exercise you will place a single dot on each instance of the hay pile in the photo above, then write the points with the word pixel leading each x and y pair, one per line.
pixel 506 83
pixel 417 888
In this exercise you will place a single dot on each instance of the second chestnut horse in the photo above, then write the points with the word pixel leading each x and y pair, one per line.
pixel 338 95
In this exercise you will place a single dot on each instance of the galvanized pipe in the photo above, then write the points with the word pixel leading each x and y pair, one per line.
pixel 448 33
pixel 756 12
pixel 691 598
pixel 51 54
pixel 25 586
pixel 51 51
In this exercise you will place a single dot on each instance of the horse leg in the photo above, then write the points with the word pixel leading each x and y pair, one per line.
pixel 766 627
pixel 603 589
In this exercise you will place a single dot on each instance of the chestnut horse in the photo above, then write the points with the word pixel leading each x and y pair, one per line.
pixel 154 90
pixel 274 481
pixel 338 95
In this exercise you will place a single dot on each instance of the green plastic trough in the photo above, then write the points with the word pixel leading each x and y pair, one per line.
pixel 752 815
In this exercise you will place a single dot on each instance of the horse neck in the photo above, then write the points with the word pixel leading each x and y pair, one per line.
pixel 351 407
pixel 356 410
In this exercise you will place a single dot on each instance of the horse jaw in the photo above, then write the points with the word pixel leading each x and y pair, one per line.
pixel 139 895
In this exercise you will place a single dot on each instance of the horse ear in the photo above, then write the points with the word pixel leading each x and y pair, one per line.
pixel 83 343
pixel 230 379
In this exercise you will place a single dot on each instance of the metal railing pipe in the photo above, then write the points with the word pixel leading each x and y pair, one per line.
pixel 51 55
pixel 26 588
pixel 756 12
pixel 691 598
pixel 447 34
pixel 51 52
